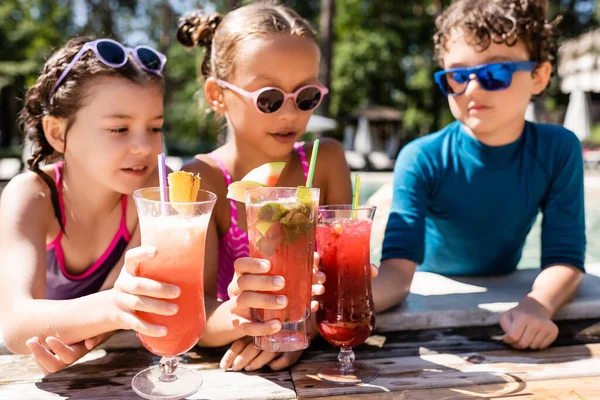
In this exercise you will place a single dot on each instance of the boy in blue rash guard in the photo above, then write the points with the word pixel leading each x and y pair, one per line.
pixel 466 197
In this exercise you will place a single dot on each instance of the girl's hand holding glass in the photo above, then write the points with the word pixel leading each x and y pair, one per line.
pixel 245 294
pixel 132 293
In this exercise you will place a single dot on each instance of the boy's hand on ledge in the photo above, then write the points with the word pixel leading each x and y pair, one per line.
pixel 528 326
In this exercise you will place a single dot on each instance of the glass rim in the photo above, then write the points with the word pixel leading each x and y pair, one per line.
pixel 136 195
pixel 346 207
pixel 261 188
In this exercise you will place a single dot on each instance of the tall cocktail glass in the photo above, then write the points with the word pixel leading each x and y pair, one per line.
pixel 346 315
pixel 281 229
pixel 178 231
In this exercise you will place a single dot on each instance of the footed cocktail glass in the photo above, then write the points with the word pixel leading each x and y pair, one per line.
pixel 346 315
pixel 178 231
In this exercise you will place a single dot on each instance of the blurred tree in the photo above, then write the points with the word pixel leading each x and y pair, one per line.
pixel 31 30
pixel 579 16
pixel 327 38
pixel 381 54
pixel 105 12
pixel 190 126
pixel 27 34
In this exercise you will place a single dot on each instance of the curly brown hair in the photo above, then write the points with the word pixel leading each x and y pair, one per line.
pixel 221 35
pixel 66 101
pixel 502 22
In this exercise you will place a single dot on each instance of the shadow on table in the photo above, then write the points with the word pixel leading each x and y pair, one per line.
pixel 109 376
pixel 454 363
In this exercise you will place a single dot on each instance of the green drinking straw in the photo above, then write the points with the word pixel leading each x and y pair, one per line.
pixel 313 161
pixel 356 193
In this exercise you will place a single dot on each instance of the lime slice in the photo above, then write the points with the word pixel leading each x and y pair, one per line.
pixel 265 247
pixel 263 226
pixel 237 190
pixel 304 196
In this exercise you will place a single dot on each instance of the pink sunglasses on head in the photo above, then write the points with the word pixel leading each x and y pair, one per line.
pixel 270 99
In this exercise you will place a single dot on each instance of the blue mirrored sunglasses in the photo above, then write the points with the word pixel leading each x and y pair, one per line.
pixel 492 77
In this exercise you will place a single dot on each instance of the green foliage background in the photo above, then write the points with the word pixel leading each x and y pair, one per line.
pixel 382 55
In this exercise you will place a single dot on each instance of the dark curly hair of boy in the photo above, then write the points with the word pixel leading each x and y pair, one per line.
pixel 499 21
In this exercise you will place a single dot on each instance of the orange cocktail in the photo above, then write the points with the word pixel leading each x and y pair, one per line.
pixel 178 231
pixel 179 261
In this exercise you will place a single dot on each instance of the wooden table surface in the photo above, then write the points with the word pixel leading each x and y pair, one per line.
pixel 466 363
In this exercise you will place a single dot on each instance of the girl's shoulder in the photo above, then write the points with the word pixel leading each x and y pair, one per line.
pixel 332 174
pixel 331 157
pixel 28 197
pixel 28 184
pixel 330 150
pixel 210 173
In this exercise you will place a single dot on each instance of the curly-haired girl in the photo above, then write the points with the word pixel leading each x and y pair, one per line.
pixel 95 117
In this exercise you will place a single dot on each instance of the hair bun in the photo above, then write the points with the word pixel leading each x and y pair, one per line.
pixel 197 29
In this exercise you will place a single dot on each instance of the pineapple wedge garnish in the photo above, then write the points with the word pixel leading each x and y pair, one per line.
pixel 183 188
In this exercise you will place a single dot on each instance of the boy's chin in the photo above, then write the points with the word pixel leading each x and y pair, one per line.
pixel 482 130
pixel 477 126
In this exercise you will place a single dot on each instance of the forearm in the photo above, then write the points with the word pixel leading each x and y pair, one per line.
pixel 219 327
pixel 555 286
pixel 392 284
pixel 71 321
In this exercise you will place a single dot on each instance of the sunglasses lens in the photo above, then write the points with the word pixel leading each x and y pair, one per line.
pixel 149 59
pixel 269 101
pixel 308 98
pixel 495 77
pixel 455 82
pixel 111 52
pixel 459 77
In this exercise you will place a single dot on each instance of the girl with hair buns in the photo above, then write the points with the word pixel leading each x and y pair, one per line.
pixel 69 225
pixel 261 71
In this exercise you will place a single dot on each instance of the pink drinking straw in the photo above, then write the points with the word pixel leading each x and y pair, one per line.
pixel 162 176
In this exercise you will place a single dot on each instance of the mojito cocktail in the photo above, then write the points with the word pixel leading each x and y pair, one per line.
pixel 281 229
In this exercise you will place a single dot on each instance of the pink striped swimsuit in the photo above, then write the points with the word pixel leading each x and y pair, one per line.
pixel 60 284
pixel 234 244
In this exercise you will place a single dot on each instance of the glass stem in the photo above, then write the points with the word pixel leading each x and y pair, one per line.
pixel 346 358
pixel 167 366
